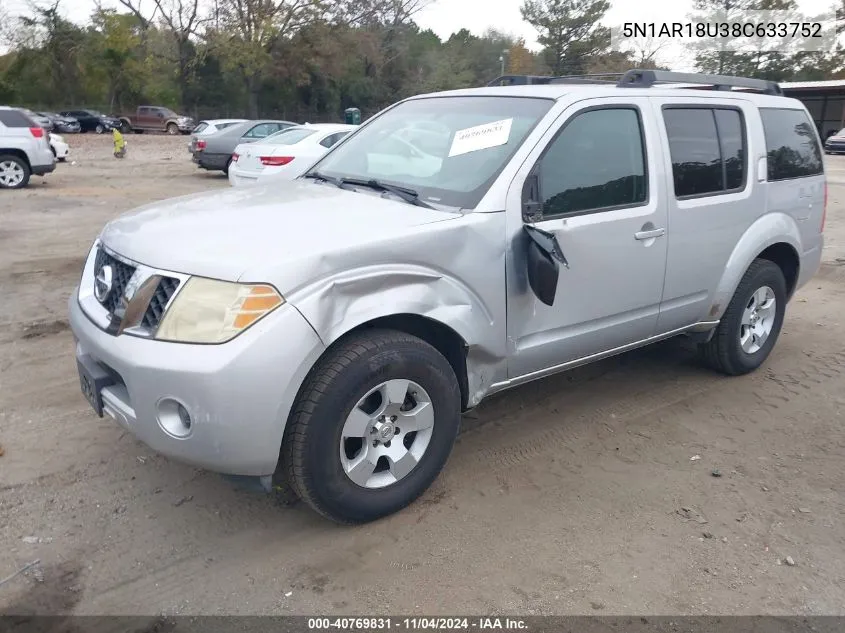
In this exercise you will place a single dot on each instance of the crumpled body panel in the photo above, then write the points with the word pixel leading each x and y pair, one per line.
pixel 450 272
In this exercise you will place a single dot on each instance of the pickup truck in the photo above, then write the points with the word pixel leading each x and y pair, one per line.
pixel 156 119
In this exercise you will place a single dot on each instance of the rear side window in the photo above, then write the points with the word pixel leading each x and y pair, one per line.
pixel 332 139
pixel 708 150
pixel 791 145
pixel 15 118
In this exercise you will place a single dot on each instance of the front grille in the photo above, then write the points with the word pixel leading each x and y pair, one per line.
pixel 165 289
pixel 121 274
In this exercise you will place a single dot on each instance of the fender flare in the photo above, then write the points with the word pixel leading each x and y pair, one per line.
pixel 768 230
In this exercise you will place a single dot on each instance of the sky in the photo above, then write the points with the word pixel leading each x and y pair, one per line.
pixel 444 17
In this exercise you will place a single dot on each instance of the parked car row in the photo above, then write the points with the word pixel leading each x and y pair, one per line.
pixel 249 151
pixel 145 119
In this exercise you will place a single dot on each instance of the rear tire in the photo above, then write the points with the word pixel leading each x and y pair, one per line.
pixel 354 388
pixel 14 172
pixel 226 168
pixel 746 322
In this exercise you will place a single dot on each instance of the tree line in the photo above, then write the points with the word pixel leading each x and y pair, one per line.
pixel 308 60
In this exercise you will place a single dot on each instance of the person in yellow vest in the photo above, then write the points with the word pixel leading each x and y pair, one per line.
pixel 119 143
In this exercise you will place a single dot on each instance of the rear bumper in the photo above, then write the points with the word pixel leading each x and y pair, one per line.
pixel 41 170
pixel 237 179
pixel 211 161
pixel 238 394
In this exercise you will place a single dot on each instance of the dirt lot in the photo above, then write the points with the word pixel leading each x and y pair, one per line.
pixel 576 494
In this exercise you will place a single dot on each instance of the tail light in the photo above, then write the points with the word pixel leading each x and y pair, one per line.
pixel 37 132
pixel 824 208
pixel 200 145
pixel 276 161
pixel 235 157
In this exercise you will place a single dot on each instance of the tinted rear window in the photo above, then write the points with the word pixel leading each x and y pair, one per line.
pixel 201 127
pixel 15 118
pixel 791 145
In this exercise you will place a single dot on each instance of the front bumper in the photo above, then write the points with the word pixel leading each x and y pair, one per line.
pixel 238 393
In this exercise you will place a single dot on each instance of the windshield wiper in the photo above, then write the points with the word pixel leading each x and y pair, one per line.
pixel 337 182
pixel 408 195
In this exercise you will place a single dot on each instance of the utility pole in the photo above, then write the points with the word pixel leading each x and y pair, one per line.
pixel 502 60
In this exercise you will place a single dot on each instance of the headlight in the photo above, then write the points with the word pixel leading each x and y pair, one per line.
pixel 210 311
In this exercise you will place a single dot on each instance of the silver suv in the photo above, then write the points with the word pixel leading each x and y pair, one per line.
pixel 325 335
pixel 24 149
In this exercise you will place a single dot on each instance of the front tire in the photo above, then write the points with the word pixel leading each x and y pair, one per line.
pixel 99 129
pixel 750 327
pixel 172 129
pixel 345 451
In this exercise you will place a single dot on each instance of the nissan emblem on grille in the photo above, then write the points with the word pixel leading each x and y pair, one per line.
pixel 103 283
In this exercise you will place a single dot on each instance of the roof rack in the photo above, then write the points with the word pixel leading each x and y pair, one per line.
pixel 646 78
pixel 638 78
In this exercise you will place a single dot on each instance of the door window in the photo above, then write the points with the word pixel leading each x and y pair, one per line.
pixel 708 150
pixel 332 139
pixel 596 162
pixel 261 130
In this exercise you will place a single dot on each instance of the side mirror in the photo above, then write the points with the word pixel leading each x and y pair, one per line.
pixel 543 259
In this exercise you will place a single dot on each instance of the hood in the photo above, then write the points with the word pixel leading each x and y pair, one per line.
pixel 260 228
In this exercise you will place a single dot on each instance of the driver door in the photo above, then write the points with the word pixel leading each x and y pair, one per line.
pixel 595 183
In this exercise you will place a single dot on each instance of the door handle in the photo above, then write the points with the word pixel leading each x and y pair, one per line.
pixel 647 235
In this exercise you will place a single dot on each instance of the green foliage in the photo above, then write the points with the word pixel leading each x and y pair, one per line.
pixel 570 30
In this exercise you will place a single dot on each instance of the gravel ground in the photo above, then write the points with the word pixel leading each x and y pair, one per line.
pixel 577 494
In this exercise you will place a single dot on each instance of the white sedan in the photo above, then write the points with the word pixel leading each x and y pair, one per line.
pixel 284 155
pixel 59 147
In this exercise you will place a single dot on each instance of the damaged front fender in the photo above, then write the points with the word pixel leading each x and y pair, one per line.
pixel 462 288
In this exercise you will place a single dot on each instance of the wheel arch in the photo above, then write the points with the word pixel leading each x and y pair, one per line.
pixel 426 303
pixel 774 237
pixel 18 153
pixel 441 337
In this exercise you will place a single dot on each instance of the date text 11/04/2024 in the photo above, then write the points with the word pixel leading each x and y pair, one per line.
pixel 692 30
pixel 416 623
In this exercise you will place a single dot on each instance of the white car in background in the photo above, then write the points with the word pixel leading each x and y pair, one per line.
pixel 59 147
pixel 284 155
pixel 210 126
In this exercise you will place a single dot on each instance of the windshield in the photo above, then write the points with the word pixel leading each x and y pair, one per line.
pixel 288 137
pixel 448 149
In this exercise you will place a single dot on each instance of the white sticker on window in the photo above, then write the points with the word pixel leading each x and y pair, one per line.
pixel 481 137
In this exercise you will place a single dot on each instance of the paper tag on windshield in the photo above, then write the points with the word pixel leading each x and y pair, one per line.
pixel 479 137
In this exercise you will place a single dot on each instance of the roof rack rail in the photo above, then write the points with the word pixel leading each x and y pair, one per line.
pixel 638 78
pixel 647 78
pixel 519 80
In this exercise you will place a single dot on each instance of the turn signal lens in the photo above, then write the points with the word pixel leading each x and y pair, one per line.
pixel 211 311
